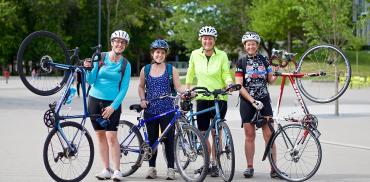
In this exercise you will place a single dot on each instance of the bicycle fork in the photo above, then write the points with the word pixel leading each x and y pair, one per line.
pixel 270 140
pixel 188 145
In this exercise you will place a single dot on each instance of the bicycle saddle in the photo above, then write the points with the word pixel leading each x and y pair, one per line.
pixel 136 107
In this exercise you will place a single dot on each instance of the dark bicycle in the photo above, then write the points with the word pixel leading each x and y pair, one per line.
pixel 68 151
pixel 189 143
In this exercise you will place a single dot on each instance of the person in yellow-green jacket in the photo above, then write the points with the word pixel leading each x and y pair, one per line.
pixel 212 69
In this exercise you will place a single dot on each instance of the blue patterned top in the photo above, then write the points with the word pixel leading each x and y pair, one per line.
pixel 155 87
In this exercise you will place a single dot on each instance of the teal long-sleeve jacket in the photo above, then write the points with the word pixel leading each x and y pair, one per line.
pixel 105 82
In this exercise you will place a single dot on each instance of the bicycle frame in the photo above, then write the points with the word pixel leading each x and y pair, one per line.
pixel 291 77
pixel 141 124
pixel 59 104
pixel 214 122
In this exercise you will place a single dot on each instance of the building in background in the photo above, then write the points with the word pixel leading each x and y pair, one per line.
pixel 360 12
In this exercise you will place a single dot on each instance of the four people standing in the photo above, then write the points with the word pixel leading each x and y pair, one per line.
pixel 211 68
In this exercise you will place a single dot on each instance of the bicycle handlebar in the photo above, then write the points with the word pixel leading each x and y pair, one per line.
pixel 95 57
pixel 138 108
pixel 282 56
pixel 216 92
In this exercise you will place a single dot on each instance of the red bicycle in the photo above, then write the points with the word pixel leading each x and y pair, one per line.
pixel 322 75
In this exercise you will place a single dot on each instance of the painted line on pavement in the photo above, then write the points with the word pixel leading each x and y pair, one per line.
pixel 239 130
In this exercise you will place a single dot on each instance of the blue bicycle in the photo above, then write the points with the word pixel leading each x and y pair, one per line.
pixel 68 151
pixel 223 141
pixel 191 151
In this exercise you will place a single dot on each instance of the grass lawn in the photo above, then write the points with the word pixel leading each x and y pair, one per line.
pixel 363 67
pixel 360 69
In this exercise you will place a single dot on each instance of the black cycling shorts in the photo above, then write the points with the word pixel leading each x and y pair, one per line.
pixel 95 106
pixel 204 120
pixel 247 110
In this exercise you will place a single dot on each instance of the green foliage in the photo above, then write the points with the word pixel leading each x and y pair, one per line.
pixel 363 67
pixel 273 19
pixel 228 17
pixel 76 21
pixel 12 27
pixel 326 21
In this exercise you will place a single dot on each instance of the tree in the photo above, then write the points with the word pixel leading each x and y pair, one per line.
pixel 228 17
pixel 11 30
pixel 276 20
pixel 326 21
pixel 142 19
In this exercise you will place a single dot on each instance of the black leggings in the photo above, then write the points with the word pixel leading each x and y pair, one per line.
pixel 153 133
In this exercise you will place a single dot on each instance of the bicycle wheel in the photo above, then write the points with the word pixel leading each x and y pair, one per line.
pixel 130 141
pixel 163 146
pixel 225 153
pixel 36 50
pixel 331 73
pixel 298 153
pixel 191 154
pixel 60 161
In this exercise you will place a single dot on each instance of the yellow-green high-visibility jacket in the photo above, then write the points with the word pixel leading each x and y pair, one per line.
pixel 212 74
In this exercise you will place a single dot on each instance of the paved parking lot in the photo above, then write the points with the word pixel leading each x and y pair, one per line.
pixel 345 138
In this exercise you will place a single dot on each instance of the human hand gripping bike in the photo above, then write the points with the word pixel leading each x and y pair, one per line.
pixel 190 147
pixel 224 146
pixel 68 151
pixel 317 76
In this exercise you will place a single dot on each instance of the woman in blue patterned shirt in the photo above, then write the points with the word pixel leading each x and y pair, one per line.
pixel 151 86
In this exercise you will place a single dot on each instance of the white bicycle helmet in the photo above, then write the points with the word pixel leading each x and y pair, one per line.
pixel 208 30
pixel 251 36
pixel 121 35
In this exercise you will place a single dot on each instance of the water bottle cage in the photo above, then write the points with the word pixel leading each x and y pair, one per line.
pixel 66 97
pixel 71 92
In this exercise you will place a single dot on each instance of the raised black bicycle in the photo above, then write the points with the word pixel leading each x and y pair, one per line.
pixel 45 68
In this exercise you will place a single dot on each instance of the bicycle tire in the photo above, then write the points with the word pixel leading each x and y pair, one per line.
pixel 326 59
pixel 44 81
pixel 53 145
pixel 295 163
pixel 129 164
pixel 188 167
pixel 225 150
